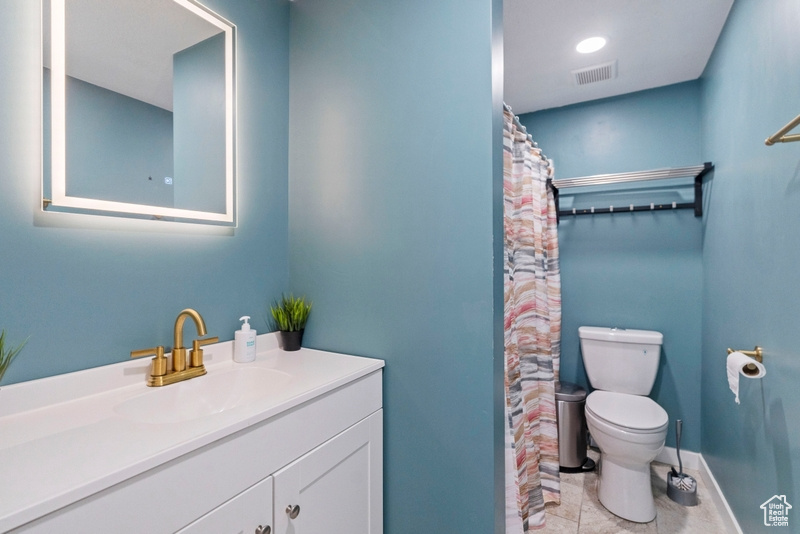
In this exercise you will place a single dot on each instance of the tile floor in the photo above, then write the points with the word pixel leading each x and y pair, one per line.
pixel 580 512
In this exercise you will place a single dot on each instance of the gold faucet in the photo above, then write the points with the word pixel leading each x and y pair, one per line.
pixel 159 375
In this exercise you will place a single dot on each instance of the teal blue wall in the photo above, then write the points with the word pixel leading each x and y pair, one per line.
pixel 751 256
pixel 116 144
pixel 120 148
pixel 634 132
pixel 199 108
pixel 393 212
pixel 641 270
pixel 88 296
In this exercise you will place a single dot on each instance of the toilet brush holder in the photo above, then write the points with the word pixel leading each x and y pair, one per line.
pixel 682 489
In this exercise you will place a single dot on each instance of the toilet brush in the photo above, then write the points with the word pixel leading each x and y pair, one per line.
pixel 681 487
pixel 683 483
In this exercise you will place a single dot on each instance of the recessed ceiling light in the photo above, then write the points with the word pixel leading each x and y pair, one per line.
pixel 592 44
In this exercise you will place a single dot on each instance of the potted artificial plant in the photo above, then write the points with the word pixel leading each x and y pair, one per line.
pixel 290 315
pixel 7 355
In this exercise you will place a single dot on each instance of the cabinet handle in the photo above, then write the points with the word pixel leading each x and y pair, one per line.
pixel 293 511
pixel 264 530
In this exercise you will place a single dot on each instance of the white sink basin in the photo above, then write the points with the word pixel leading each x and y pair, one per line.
pixel 203 396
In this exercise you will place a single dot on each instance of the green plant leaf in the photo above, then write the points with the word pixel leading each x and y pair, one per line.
pixel 289 313
pixel 8 355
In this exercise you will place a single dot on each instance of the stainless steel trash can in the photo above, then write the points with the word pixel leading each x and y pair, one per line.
pixel 572 436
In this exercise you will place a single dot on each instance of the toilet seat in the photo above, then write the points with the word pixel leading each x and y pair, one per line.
pixel 630 413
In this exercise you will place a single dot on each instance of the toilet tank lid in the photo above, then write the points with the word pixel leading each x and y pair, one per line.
pixel 621 335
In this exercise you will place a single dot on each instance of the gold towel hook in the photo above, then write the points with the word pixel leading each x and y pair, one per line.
pixel 781 135
pixel 757 354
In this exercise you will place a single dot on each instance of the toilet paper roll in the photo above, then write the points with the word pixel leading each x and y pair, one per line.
pixel 742 365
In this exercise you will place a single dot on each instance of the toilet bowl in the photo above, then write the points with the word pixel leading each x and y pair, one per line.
pixel 630 431
pixel 628 427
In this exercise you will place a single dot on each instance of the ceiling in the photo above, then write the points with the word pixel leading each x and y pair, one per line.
pixel 127 45
pixel 652 42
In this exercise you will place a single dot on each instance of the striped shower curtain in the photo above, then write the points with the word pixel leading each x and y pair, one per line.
pixel 532 331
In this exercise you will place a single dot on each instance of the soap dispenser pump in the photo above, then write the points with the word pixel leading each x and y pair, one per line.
pixel 244 343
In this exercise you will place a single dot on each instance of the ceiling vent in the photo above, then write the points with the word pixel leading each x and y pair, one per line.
pixel 596 73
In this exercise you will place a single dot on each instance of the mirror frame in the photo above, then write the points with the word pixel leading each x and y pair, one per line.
pixel 59 197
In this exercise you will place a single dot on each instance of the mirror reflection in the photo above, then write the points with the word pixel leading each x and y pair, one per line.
pixel 138 108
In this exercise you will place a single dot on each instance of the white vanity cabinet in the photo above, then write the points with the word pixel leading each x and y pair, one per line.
pixel 321 451
pixel 333 489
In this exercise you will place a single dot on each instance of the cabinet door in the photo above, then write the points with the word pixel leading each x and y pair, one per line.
pixel 244 514
pixel 338 486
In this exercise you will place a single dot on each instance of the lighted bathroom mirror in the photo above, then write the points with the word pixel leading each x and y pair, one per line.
pixel 139 104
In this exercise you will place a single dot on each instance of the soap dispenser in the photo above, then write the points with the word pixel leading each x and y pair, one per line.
pixel 244 344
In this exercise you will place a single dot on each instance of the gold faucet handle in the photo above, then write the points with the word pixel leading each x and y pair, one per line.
pixel 196 354
pixel 159 362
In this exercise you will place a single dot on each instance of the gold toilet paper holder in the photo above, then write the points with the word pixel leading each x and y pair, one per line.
pixel 757 354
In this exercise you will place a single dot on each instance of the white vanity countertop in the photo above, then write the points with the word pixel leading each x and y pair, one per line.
pixel 61 438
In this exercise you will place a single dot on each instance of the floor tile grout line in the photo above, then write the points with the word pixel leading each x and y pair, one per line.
pixel 656 526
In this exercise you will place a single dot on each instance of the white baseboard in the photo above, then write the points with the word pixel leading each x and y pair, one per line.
pixel 696 462
pixel 669 455
pixel 720 502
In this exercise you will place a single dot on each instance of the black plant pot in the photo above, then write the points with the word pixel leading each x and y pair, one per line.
pixel 290 341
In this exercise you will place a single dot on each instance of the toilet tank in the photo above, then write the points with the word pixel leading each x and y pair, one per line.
pixel 620 360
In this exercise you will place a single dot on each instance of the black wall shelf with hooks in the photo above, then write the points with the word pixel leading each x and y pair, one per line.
pixel 697 171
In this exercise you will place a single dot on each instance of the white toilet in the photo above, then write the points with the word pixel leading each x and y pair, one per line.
pixel 629 427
